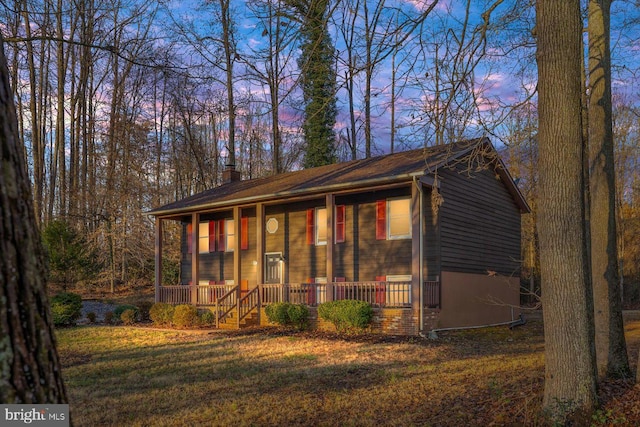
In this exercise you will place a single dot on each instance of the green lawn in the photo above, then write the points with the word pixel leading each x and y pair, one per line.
pixel 140 376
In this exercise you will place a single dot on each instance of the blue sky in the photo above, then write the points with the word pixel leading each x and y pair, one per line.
pixel 504 76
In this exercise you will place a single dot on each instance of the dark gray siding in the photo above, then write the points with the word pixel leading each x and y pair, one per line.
pixel 479 222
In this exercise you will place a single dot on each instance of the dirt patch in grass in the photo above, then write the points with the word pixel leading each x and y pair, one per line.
pixel 273 376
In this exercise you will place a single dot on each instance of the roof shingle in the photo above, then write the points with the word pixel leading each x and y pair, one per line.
pixel 353 174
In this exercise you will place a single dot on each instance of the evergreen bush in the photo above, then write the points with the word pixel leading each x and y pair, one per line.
pixel 128 317
pixel 117 312
pixel 91 316
pixel 185 316
pixel 347 315
pixel 108 317
pixel 207 318
pixel 66 308
pixel 144 307
pixel 287 314
pixel 161 313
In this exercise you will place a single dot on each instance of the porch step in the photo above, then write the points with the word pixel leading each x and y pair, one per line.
pixel 231 322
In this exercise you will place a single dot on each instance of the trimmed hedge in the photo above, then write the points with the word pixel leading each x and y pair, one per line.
pixel 287 314
pixel 161 313
pixel 128 317
pixel 66 308
pixel 207 318
pixel 347 314
pixel 185 316
pixel 117 312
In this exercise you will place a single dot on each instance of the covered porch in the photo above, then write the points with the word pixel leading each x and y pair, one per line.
pixel 233 307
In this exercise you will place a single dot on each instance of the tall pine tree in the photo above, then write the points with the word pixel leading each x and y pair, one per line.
pixel 317 65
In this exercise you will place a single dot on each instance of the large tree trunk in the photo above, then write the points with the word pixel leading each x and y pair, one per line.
pixel 29 366
pixel 611 349
pixel 567 300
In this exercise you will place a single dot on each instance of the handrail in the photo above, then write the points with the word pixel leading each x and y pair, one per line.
pixel 253 298
pixel 221 302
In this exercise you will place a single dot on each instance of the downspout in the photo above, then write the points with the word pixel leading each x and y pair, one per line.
pixel 421 252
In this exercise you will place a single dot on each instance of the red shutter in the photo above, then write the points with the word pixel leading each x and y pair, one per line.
pixel 221 240
pixel 244 232
pixel 189 237
pixel 340 223
pixel 310 226
pixel 381 219
pixel 212 236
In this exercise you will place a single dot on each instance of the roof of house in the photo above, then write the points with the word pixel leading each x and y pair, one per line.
pixel 363 173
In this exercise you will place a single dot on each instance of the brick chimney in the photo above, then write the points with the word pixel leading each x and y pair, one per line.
pixel 230 174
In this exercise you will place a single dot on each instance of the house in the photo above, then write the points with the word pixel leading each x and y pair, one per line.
pixel 430 237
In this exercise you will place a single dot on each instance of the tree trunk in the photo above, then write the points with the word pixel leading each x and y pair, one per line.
pixel 29 367
pixel 611 349
pixel 567 300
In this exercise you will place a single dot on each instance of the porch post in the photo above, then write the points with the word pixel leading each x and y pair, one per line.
pixel 330 202
pixel 195 258
pixel 158 258
pixel 237 268
pixel 416 237
pixel 260 244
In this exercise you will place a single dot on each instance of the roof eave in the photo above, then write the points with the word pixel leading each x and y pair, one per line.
pixel 362 184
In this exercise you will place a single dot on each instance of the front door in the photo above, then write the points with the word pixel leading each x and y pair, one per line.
pixel 273 268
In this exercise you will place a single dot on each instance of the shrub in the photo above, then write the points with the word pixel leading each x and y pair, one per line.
pixel 128 317
pixel 66 308
pixel 161 313
pixel 207 318
pixel 91 316
pixel 108 317
pixel 298 315
pixel 117 313
pixel 144 307
pixel 185 316
pixel 287 314
pixel 346 315
pixel 277 313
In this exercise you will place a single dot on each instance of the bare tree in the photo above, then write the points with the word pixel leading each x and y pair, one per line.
pixel 611 349
pixel 570 384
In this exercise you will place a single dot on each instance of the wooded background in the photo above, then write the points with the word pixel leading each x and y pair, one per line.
pixel 126 105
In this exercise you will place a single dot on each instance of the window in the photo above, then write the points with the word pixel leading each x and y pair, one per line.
pixel 321 226
pixel 340 225
pixel 230 233
pixel 393 219
pixel 317 225
pixel 203 237
pixel 206 237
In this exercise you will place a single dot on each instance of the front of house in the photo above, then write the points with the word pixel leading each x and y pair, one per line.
pixel 429 237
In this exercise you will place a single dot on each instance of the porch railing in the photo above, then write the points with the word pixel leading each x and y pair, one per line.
pixel 310 294
pixel 209 294
pixel 178 294
pixel 378 294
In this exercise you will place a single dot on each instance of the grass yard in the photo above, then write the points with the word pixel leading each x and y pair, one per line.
pixel 140 376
